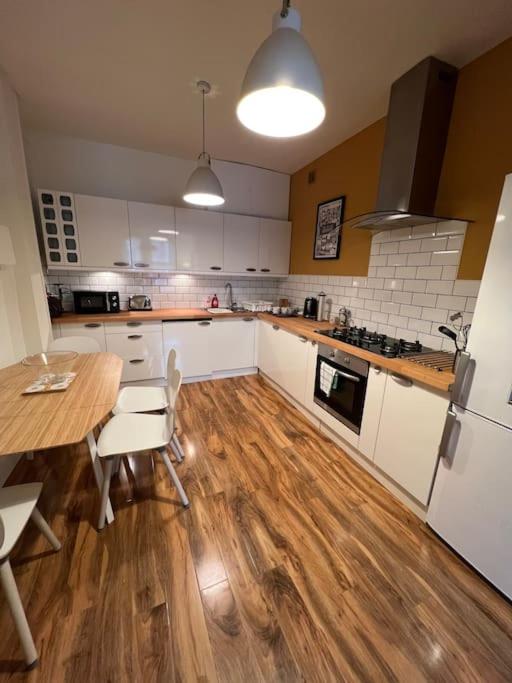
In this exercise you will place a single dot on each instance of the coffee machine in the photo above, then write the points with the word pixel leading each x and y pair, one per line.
pixel 310 307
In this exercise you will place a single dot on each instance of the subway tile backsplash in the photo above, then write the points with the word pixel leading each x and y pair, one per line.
pixel 410 289
pixel 166 290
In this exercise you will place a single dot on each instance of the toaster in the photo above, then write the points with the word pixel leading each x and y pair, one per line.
pixel 139 302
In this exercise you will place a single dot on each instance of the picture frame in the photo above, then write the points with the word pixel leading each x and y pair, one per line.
pixel 329 219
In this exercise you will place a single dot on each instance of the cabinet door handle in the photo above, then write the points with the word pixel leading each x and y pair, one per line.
pixel 134 324
pixel 248 320
pixel 451 419
pixel 141 265
pixel 121 263
pixel 136 361
pixel 135 336
pixel 400 379
pixel 265 270
pixel 302 338
pixel 275 327
pixel 204 323
pixel 215 268
pixel 251 270
pixel 92 325
pixel 378 370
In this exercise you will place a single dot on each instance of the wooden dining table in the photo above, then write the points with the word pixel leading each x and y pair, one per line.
pixel 36 422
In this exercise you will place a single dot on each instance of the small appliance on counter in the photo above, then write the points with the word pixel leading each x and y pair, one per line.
pixel 320 313
pixel 139 302
pixel 86 301
pixel 310 307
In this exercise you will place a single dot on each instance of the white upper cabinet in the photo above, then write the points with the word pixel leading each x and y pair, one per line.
pixel 199 241
pixel 241 243
pixel 275 237
pixel 103 231
pixel 152 236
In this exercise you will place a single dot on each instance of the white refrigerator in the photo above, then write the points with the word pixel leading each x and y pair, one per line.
pixel 471 502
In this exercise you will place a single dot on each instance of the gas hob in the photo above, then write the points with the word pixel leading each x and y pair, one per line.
pixel 379 344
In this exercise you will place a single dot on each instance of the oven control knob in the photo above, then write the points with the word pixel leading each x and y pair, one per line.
pixel 346 360
pixel 332 354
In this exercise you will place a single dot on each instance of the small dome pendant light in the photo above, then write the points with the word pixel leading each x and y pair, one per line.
pixel 282 93
pixel 203 187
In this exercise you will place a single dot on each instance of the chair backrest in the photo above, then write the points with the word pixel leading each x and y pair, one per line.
pixel 78 344
pixel 173 389
pixel 171 363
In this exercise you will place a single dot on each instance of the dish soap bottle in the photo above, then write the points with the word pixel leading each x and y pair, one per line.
pixel 215 301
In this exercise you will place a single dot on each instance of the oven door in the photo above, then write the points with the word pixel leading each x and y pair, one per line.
pixel 90 302
pixel 341 390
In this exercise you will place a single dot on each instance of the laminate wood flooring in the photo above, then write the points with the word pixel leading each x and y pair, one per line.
pixel 292 564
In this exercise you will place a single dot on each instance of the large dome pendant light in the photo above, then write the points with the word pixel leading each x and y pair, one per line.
pixel 203 187
pixel 282 93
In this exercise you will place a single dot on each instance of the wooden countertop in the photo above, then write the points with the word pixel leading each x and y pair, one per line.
pixel 308 328
pixel 299 325
pixel 39 421
pixel 148 316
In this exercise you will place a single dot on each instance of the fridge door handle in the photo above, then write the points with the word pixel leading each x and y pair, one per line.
pixel 451 419
pixel 460 376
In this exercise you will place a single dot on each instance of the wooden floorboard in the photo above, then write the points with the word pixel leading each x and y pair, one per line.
pixel 292 564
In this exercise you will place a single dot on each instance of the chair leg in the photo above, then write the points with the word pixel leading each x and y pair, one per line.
pixel 178 445
pixel 18 613
pixel 43 527
pixel 172 473
pixel 117 464
pixel 107 475
pixel 176 452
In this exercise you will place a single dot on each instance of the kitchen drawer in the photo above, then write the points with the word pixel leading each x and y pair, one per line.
pixel 129 327
pixel 136 344
pixel 137 369
pixel 92 330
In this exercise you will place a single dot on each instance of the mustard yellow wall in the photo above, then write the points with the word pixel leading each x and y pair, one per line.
pixel 478 156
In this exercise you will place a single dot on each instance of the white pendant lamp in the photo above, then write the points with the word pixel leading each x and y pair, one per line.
pixel 282 93
pixel 203 187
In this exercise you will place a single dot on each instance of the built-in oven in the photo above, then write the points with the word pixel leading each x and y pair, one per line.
pixel 96 302
pixel 340 385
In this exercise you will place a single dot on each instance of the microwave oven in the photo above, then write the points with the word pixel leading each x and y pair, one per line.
pixel 96 302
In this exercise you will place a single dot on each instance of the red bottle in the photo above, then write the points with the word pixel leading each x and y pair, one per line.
pixel 215 301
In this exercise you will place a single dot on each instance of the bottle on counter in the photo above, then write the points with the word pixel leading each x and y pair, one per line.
pixel 320 311
pixel 215 301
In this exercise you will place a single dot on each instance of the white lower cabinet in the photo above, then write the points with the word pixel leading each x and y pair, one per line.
pixel 283 356
pixel 93 330
pixel 140 346
pixel 232 344
pixel 372 410
pixel 410 428
pixel 192 341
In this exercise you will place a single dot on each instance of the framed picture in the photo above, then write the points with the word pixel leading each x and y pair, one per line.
pixel 329 217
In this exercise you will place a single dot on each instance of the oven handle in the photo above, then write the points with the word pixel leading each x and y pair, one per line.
pixel 347 376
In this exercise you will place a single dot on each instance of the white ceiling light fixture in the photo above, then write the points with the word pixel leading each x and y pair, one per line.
pixel 282 93
pixel 203 187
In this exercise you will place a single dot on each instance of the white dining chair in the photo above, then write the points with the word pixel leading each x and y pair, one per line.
pixel 150 399
pixel 17 505
pixel 136 432
pixel 78 344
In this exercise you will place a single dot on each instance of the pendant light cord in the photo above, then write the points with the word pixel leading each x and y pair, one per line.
pixel 204 134
pixel 286 6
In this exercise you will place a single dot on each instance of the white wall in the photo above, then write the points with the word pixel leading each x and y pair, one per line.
pixel 65 163
pixel 24 320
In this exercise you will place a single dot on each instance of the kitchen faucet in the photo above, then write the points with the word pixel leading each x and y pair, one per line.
pixel 229 295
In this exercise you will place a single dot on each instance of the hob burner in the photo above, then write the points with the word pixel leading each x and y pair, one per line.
pixel 375 342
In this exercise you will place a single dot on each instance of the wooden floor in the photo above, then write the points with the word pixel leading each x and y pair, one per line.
pixel 292 564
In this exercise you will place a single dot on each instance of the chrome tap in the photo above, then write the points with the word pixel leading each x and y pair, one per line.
pixel 229 295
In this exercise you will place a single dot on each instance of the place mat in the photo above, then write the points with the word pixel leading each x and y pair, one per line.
pixel 47 384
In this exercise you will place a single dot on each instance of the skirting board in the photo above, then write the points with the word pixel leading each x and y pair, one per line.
pixel 223 374
pixel 399 493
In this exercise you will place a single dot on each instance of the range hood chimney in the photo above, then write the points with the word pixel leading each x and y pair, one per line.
pixel 418 118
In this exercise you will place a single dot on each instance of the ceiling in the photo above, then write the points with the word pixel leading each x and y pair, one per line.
pixel 123 71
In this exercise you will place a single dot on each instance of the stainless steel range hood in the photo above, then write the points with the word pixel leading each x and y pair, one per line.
pixel 418 118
